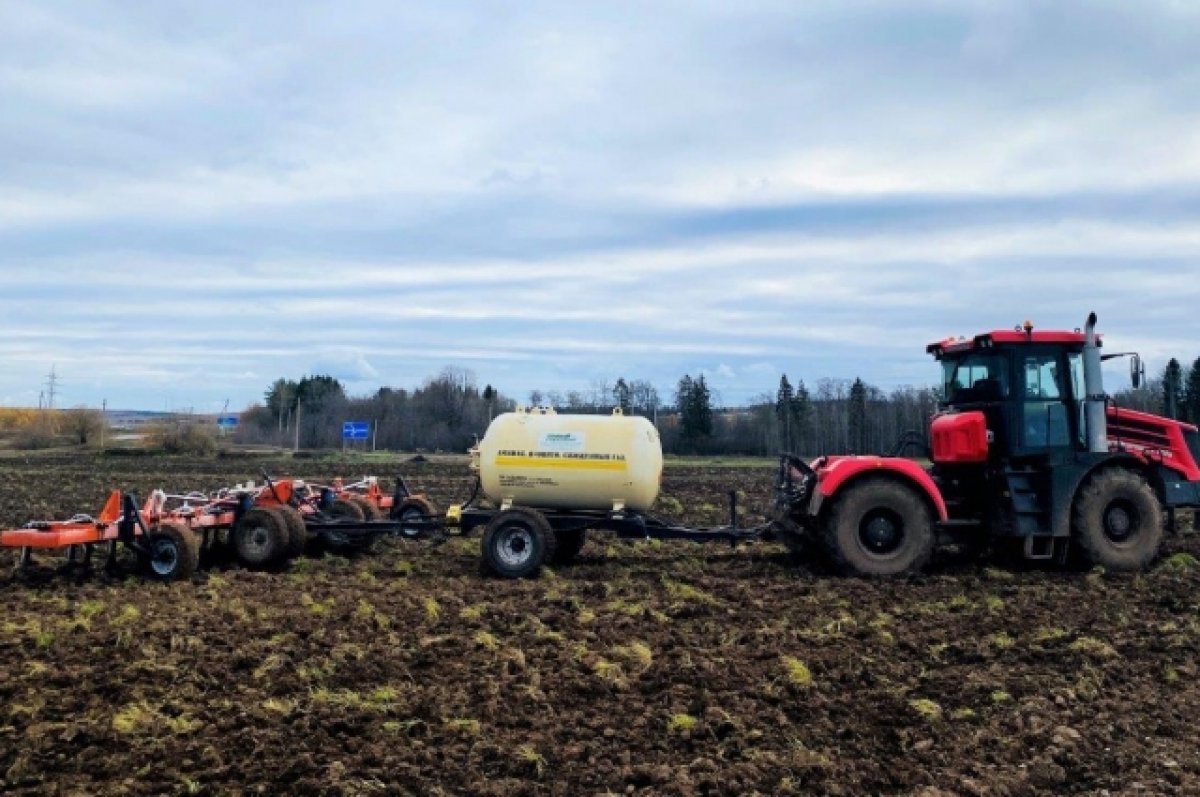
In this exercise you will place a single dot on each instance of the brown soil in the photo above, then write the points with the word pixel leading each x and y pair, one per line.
pixel 649 668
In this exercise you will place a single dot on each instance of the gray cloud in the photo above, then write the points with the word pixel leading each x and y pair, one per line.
pixel 195 199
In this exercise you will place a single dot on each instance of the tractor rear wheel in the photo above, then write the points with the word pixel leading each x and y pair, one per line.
pixel 1118 521
pixel 568 544
pixel 879 528
pixel 297 531
pixel 413 510
pixel 260 537
pixel 517 542
pixel 172 552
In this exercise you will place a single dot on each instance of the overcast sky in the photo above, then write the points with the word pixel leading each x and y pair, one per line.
pixel 199 197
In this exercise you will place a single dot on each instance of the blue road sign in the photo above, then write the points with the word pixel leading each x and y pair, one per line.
pixel 227 421
pixel 356 430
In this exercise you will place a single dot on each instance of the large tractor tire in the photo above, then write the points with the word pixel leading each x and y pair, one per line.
pixel 297 531
pixel 1118 521
pixel 173 552
pixel 415 508
pixel 260 538
pixel 517 542
pixel 879 528
pixel 567 545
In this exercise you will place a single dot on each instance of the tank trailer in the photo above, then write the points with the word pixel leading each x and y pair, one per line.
pixel 1027 453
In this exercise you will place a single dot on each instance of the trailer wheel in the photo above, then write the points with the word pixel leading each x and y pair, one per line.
pixel 567 545
pixel 346 509
pixel 369 510
pixel 260 537
pixel 880 528
pixel 516 543
pixel 413 510
pixel 1118 521
pixel 297 531
pixel 173 552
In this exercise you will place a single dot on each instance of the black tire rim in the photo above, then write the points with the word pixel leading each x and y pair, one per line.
pixel 256 541
pixel 411 515
pixel 1122 521
pixel 514 545
pixel 164 557
pixel 881 533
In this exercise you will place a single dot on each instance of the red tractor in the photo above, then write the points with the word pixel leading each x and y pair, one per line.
pixel 1027 452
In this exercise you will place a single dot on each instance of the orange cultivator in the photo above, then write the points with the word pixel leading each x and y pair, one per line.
pixel 403 506
pixel 166 550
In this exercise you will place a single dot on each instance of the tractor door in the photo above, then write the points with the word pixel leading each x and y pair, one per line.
pixel 1049 412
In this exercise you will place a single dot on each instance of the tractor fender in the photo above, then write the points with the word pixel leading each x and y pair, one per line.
pixel 1064 513
pixel 841 473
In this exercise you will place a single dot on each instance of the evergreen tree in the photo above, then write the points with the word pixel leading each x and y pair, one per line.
pixel 694 403
pixel 1173 389
pixel 802 416
pixel 785 411
pixel 1192 394
pixel 622 395
pixel 858 417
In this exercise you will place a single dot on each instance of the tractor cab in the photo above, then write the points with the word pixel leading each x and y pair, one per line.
pixel 1005 394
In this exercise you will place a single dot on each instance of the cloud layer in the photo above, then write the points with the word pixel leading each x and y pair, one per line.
pixel 196 199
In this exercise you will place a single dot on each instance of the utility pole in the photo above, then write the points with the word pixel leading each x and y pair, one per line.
pixel 103 421
pixel 52 386
pixel 374 435
pixel 296 445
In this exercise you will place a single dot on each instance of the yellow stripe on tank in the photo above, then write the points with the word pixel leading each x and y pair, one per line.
pixel 561 464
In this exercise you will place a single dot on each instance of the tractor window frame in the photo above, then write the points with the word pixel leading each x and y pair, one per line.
pixel 962 377
pixel 1046 399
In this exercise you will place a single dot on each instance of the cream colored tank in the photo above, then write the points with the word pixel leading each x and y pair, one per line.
pixel 538 458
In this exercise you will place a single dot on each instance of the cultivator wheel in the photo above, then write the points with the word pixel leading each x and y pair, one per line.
pixel 517 542
pixel 369 510
pixel 297 531
pixel 343 508
pixel 260 538
pixel 415 509
pixel 568 544
pixel 173 552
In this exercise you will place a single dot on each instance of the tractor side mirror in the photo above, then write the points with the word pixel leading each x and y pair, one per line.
pixel 1137 371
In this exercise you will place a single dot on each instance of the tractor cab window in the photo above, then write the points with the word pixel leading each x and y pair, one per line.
pixel 1046 422
pixel 976 378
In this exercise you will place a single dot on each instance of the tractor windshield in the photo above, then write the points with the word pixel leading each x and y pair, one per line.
pixel 975 378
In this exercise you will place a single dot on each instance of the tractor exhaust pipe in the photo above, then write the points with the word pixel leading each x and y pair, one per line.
pixel 1096 402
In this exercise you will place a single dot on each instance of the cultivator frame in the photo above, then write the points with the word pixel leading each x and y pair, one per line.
pixel 166 550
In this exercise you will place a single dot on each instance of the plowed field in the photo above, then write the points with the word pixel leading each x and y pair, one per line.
pixel 644 669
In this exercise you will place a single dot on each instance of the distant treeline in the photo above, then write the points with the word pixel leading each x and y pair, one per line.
pixel 450 411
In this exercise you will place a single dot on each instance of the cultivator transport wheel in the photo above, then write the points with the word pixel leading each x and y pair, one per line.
pixel 517 542
pixel 173 552
pixel 342 508
pixel 260 538
pixel 880 528
pixel 568 544
pixel 1118 521
pixel 297 531
pixel 413 510
pixel 369 510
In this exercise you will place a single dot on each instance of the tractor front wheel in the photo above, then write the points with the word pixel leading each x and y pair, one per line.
pixel 879 528
pixel 517 543
pixel 172 552
pixel 1118 521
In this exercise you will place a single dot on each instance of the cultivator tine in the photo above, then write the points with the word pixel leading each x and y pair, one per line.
pixel 25 559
